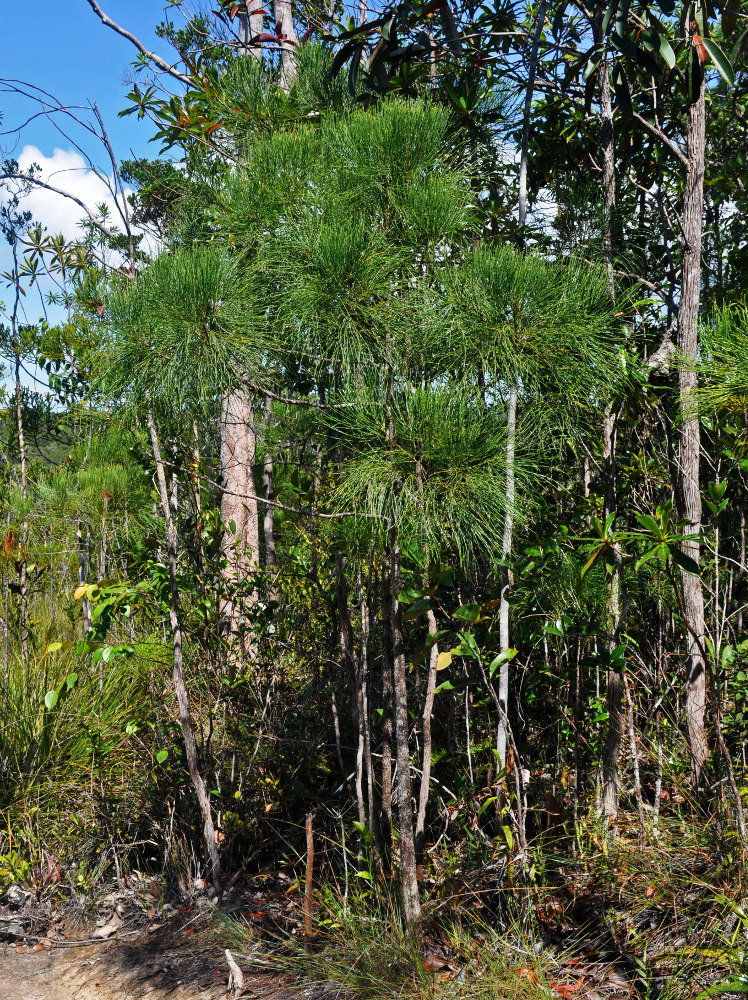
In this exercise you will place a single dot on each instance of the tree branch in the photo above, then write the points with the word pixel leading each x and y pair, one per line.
pixel 660 136
pixel 157 61
pixel 29 179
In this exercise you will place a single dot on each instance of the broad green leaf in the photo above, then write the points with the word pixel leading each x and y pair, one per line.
pixel 71 680
pixel 467 613
pixel 592 64
pixel 162 755
pixel 621 88
pixel 720 60
pixel 686 563
pixel 504 657
pixel 419 608
pixel 50 699
pixel 650 524
pixel 53 647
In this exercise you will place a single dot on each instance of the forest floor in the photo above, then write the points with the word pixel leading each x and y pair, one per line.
pixel 664 922
pixel 130 945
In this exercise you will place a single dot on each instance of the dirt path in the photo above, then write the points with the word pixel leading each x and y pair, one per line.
pixel 107 972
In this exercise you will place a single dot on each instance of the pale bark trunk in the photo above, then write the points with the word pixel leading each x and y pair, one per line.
pixel 428 707
pixel 613 692
pixel 284 18
pixel 180 682
pixel 387 714
pixel 635 760
pixel 268 524
pixel 614 704
pixel 506 553
pixel 689 494
pixel 241 544
pixel 248 29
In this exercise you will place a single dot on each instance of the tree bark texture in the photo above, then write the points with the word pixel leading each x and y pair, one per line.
pixel 284 20
pixel 428 707
pixel 689 493
pixel 408 867
pixel 241 543
pixel 249 28
pixel 506 553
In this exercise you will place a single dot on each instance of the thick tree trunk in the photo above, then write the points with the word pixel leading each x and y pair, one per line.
pixel 180 682
pixel 249 28
pixel 284 19
pixel 689 493
pixel 239 513
pixel 408 867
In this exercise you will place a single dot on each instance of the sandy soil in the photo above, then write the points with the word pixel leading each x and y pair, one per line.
pixel 107 972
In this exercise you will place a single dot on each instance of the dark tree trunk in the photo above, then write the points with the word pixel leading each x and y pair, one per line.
pixel 408 866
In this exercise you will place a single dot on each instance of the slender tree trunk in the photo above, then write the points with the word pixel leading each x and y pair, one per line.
pixel 607 149
pixel 506 553
pixel 82 576
pixel 428 707
pixel 613 691
pixel 268 524
pixel 527 117
pixel 635 759
pixel 689 494
pixel 408 866
pixel 239 512
pixel 23 571
pixel 180 682
pixel 371 794
pixel 387 715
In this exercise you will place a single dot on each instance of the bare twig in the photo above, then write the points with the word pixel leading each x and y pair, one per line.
pixel 157 61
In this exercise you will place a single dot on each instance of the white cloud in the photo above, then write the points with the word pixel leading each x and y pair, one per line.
pixel 67 170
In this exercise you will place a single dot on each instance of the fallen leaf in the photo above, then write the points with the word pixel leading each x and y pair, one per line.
pixel 436 963
pixel 102 933
pixel 650 891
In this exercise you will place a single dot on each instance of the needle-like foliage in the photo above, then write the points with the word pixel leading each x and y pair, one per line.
pixel 723 363
pixel 180 333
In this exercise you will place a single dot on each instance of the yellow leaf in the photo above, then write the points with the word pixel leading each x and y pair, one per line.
pixel 80 591
pixel 53 647
pixel 444 660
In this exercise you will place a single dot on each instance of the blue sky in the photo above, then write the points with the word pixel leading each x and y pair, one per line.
pixel 62 47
